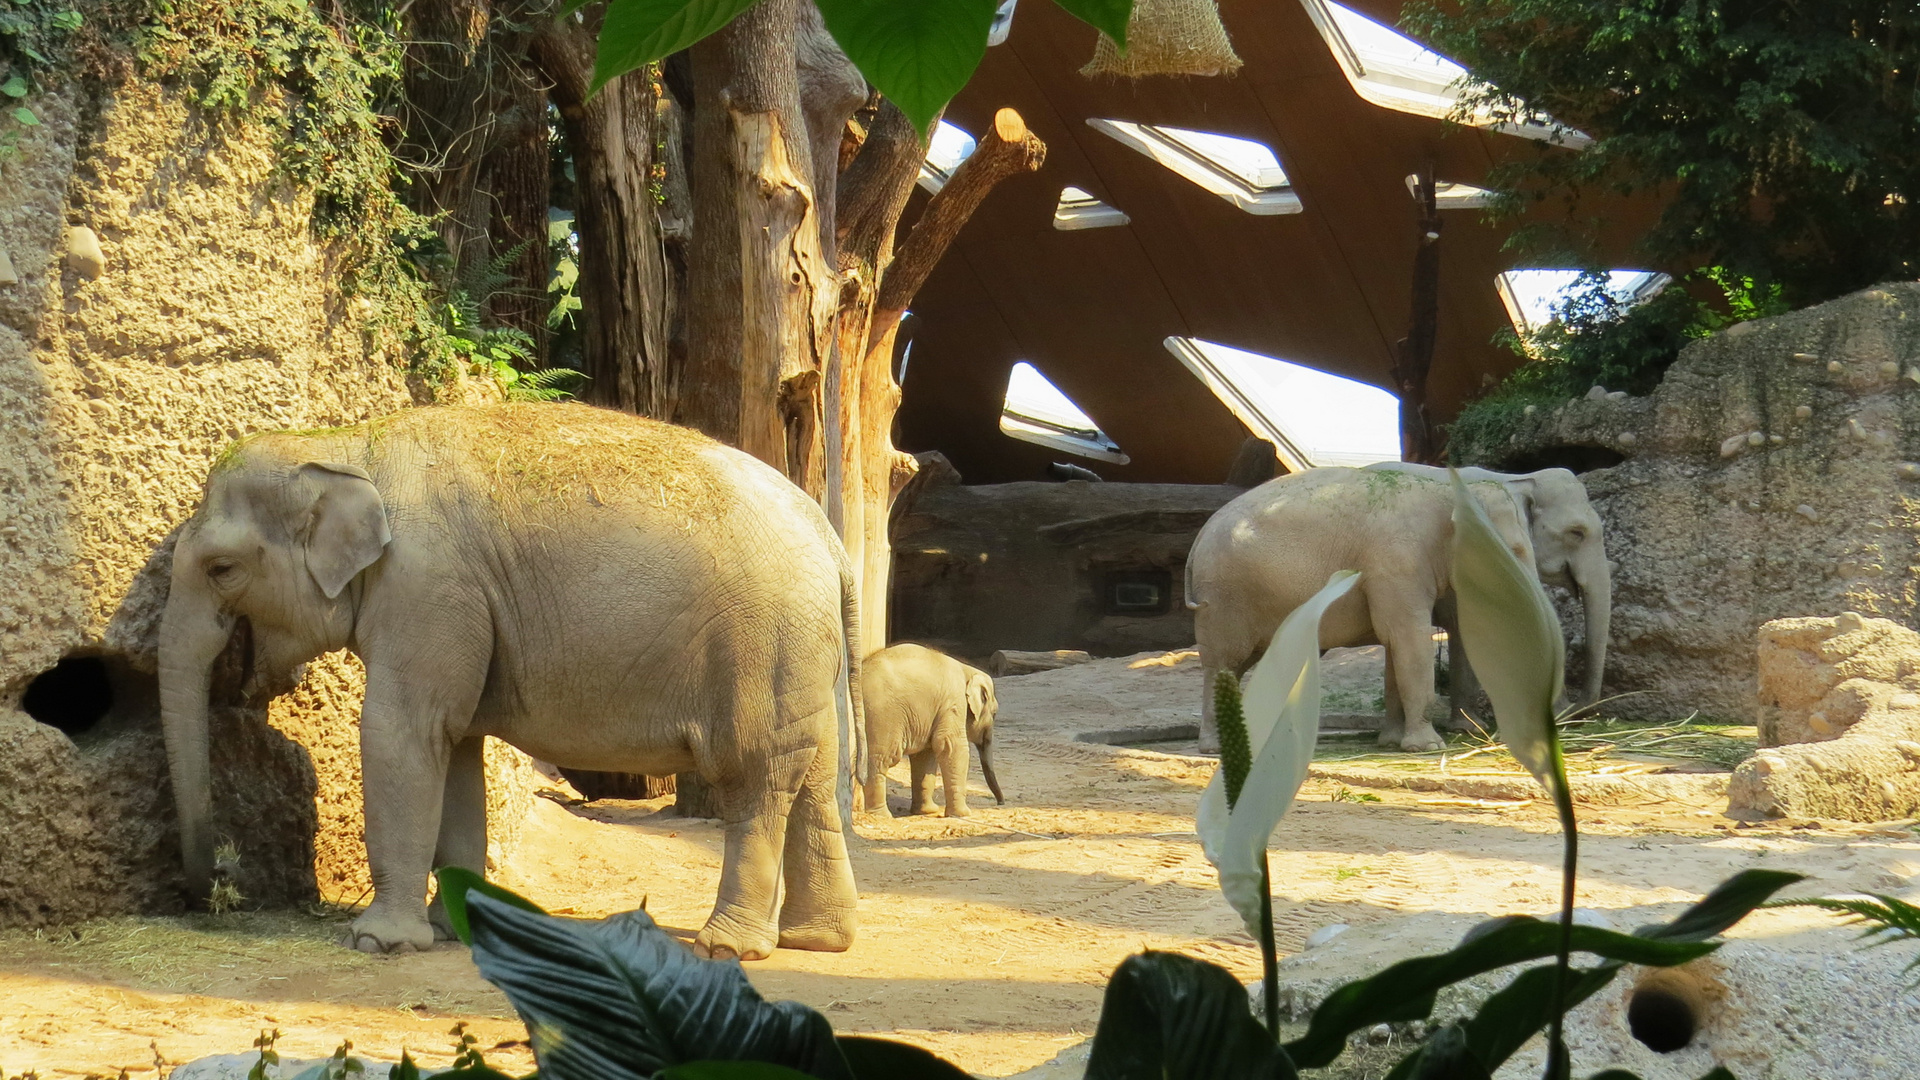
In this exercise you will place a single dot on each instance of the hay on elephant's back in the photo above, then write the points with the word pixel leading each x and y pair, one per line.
pixel 1168 37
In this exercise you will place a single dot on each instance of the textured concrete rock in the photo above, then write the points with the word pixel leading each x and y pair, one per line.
pixel 219 315
pixel 1839 722
pixel 1772 474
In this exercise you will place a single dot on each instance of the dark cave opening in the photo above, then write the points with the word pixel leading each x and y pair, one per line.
pixel 73 695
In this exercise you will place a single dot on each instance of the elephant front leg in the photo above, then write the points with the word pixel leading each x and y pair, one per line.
pixel 463 823
pixel 954 759
pixel 817 912
pixel 920 795
pixel 403 766
pixel 1410 686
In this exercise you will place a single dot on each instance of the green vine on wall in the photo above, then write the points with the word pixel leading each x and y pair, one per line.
pixel 318 85
pixel 32 33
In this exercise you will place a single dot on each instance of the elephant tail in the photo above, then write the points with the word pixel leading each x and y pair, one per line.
pixel 854 767
pixel 1193 603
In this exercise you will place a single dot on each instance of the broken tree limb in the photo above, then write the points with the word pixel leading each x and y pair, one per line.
pixel 1007 149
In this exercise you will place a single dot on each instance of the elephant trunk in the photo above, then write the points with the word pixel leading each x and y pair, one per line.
pixel 986 769
pixel 192 635
pixel 1595 580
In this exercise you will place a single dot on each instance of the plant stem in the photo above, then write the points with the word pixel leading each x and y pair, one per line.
pixel 1269 960
pixel 1558 1067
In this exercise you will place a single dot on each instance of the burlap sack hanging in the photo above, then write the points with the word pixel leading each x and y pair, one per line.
pixel 1168 37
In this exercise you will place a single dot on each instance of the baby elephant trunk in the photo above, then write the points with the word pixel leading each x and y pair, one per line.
pixel 986 768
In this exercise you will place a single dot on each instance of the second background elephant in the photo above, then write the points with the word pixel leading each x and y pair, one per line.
pixel 926 706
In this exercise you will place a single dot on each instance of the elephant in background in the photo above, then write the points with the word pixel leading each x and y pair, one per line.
pixel 1568 550
pixel 1269 550
pixel 926 706
pixel 601 591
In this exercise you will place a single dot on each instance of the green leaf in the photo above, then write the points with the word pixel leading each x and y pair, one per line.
pixel 457 881
pixel 621 999
pixel 1519 1010
pixel 14 87
pixel 919 53
pixel 729 1070
pixel 1405 991
pixel 68 20
pixel 1728 903
pixel 1282 712
pixel 1171 1017
pixel 885 1059
pixel 638 32
pixel 25 117
pixel 1511 634
pixel 1107 16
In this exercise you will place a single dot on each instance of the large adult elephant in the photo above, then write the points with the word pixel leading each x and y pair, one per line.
pixel 1568 548
pixel 1269 550
pixel 601 591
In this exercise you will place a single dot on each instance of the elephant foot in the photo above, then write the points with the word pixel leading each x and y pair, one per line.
pixel 722 940
pixel 1421 739
pixel 442 926
pixel 381 932
pixel 958 811
pixel 831 932
pixel 1390 737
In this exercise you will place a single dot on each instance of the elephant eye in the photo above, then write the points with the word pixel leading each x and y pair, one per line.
pixel 222 570
pixel 1577 533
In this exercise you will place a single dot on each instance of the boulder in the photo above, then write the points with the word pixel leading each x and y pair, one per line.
pixel 1839 722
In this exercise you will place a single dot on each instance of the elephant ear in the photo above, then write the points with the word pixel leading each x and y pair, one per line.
pixel 978 683
pixel 346 527
pixel 1522 489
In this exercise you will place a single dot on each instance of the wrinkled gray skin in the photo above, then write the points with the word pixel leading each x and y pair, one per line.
pixel 1568 548
pixel 1269 550
pixel 598 590
pixel 924 705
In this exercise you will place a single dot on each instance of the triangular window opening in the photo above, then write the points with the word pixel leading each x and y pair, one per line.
pixel 1393 71
pixel 1037 412
pixel 1002 24
pixel 949 146
pixel 1078 209
pixel 1311 417
pixel 1243 172
pixel 1532 297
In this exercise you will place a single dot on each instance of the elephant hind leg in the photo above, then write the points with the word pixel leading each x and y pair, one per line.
pixel 1409 641
pixel 817 912
pixel 755 804
pixel 924 766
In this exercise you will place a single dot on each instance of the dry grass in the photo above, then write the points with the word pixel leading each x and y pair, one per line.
pixel 171 954
pixel 1599 747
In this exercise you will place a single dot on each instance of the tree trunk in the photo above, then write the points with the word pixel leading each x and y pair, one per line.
pixel 1007 149
pixel 448 103
pixel 516 174
pixel 1414 353
pixel 626 304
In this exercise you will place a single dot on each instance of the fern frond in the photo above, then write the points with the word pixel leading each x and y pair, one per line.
pixel 548 384
pixel 1885 919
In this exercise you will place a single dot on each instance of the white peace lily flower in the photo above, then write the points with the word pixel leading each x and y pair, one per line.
pixel 1282 709
pixel 1512 638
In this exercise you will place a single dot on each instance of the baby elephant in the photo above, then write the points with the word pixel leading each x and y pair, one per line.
pixel 926 706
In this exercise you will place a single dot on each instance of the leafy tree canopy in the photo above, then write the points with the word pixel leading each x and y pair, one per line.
pixel 1785 134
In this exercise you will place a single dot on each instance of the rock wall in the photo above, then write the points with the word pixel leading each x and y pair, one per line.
pixel 1775 472
pixel 1039 566
pixel 216 314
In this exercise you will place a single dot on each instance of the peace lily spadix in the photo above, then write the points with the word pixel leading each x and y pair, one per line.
pixel 1512 638
pixel 1282 708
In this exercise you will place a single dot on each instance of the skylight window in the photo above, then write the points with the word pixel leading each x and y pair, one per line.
pixel 1002 24
pixel 1078 209
pixel 1396 72
pixel 1311 418
pixel 1451 196
pixel 1241 171
pixel 1531 296
pixel 1037 412
pixel 948 147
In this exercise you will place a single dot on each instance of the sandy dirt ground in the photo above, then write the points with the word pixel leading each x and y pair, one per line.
pixel 988 939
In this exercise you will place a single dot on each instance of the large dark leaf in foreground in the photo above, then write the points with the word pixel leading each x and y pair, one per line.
pixel 1171 1017
pixel 1406 990
pixel 620 999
